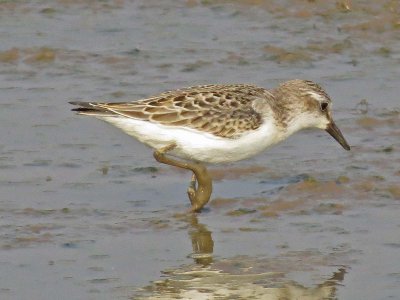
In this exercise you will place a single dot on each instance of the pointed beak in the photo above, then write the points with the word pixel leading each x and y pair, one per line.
pixel 334 131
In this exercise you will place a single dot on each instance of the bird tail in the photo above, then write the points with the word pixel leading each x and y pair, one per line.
pixel 90 109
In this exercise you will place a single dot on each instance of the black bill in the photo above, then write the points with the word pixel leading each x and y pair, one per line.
pixel 337 135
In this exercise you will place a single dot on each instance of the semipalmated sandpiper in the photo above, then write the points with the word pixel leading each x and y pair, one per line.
pixel 218 124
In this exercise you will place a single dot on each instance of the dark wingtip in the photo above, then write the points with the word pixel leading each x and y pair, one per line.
pixel 89 108
pixel 80 109
pixel 85 110
pixel 84 106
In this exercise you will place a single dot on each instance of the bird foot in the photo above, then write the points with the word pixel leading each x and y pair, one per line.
pixel 200 187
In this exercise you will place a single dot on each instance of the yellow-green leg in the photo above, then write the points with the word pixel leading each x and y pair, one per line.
pixel 200 195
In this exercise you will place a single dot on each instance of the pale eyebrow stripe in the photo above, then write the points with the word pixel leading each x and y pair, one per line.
pixel 317 96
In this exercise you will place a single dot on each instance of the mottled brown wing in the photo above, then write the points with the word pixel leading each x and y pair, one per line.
pixel 222 110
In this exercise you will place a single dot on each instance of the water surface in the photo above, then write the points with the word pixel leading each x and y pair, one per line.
pixel 86 212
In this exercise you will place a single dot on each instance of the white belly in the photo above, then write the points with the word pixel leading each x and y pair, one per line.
pixel 196 145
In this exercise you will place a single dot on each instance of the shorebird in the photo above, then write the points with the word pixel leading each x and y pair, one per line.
pixel 218 124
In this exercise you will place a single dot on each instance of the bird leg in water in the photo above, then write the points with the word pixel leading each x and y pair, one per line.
pixel 198 196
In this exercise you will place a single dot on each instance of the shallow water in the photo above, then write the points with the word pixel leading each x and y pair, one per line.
pixel 86 213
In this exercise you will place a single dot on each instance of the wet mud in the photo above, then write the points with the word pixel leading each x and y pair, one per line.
pixel 87 213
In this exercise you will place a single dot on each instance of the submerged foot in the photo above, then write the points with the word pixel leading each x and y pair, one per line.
pixel 198 196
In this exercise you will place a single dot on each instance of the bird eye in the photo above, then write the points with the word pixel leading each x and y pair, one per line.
pixel 324 106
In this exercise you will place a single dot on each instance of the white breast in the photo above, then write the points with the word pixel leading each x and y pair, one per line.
pixel 196 145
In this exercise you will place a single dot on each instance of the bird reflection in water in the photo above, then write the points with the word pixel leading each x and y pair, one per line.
pixel 241 277
pixel 202 242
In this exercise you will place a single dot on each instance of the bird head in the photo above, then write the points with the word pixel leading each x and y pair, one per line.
pixel 311 107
